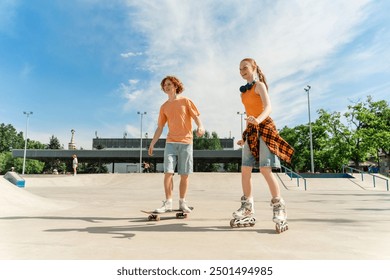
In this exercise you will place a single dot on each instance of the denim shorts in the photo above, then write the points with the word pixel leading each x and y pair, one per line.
pixel 180 154
pixel 266 158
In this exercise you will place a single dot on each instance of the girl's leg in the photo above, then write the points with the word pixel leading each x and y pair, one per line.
pixel 271 181
pixel 246 181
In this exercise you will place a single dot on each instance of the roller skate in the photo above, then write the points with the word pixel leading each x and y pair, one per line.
pixel 243 217
pixel 280 216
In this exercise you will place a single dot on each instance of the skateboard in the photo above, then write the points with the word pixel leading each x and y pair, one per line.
pixel 154 216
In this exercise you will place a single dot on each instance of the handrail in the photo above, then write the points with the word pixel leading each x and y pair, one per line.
pixel 298 176
pixel 373 176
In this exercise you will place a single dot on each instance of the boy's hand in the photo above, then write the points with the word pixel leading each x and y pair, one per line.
pixel 200 131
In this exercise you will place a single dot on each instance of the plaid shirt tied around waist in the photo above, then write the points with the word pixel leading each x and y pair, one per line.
pixel 275 143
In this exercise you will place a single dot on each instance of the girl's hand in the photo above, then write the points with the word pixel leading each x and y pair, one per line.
pixel 252 120
pixel 240 142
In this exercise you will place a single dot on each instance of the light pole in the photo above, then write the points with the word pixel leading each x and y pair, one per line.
pixel 25 141
pixel 140 145
pixel 242 114
pixel 307 89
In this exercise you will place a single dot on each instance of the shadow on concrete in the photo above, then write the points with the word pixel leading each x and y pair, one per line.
pixel 127 231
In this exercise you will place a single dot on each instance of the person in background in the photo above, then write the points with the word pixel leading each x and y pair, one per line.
pixel 75 164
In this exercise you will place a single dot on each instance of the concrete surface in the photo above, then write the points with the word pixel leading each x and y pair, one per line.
pixel 62 217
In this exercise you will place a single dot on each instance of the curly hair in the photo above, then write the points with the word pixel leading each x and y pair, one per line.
pixel 258 70
pixel 177 83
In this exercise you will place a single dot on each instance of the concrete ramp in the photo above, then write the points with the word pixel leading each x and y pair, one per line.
pixel 14 201
pixel 15 179
pixel 97 216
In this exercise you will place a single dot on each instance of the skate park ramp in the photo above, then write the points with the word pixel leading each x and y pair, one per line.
pixel 91 217
pixel 15 200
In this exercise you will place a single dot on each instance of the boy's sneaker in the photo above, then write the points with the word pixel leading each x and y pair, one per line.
pixel 246 209
pixel 166 207
pixel 184 207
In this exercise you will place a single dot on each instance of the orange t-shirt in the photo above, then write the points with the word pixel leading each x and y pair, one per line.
pixel 252 102
pixel 178 114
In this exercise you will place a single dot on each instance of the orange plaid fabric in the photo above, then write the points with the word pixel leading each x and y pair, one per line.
pixel 275 143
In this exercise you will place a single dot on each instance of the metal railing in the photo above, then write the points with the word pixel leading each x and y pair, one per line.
pixel 362 173
pixel 289 171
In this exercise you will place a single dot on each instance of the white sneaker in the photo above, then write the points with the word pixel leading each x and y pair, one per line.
pixel 166 207
pixel 184 207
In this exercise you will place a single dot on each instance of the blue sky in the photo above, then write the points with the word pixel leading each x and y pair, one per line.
pixel 90 65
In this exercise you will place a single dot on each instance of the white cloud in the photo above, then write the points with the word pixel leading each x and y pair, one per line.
pixel 131 54
pixel 202 42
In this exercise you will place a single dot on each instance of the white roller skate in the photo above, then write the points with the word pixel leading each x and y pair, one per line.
pixel 280 216
pixel 243 217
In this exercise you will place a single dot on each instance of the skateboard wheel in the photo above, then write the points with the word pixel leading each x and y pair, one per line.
pixel 153 217
pixel 181 215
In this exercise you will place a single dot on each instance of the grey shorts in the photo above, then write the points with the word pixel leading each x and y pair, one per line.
pixel 266 158
pixel 180 155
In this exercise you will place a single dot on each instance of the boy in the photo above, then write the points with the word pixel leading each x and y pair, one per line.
pixel 178 111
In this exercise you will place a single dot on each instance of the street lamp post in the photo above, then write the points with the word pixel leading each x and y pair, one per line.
pixel 307 89
pixel 25 141
pixel 140 146
pixel 242 114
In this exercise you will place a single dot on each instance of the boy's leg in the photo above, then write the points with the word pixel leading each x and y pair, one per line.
pixel 183 186
pixel 185 167
pixel 169 166
pixel 168 185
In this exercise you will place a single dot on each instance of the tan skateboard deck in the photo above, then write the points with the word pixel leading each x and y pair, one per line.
pixel 154 216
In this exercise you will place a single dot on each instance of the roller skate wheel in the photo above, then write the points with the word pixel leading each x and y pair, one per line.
pixel 278 229
pixel 232 223
pixel 181 215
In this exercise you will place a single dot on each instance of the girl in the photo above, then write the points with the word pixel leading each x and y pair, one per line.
pixel 262 146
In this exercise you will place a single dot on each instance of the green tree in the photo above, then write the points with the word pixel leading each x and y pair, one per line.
pixel 369 122
pixel 54 143
pixel 50 165
pixel 373 118
pixel 336 151
pixel 10 138
pixel 206 142
pixel 298 138
pixel 32 166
